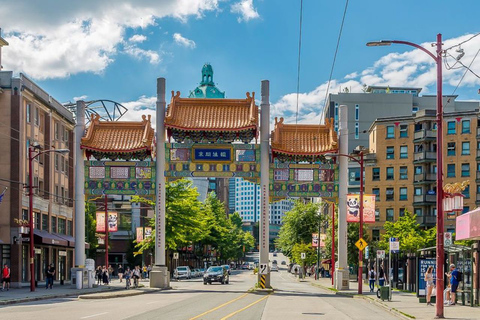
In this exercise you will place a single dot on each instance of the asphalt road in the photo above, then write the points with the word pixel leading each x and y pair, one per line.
pixel 191 299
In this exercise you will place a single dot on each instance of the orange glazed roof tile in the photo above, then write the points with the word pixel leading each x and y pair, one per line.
pixel 304 139
pixel 118 136
pixel 198 114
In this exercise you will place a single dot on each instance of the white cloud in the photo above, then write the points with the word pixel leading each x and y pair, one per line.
pixel 245 9
pixel 179 39
pixel 137 38
pixel 137 53
pixel 80 98
pixel 84 36
pixel 412 68
pixel 142 106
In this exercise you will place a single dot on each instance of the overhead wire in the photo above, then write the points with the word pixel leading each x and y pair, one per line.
pixel 459 44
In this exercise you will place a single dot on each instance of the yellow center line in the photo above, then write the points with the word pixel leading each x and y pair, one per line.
pixel 244 308
pixel 220 306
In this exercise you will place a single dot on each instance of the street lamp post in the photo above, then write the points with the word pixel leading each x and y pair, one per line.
pixel 440 224
pixel 31 157
pixel 360 233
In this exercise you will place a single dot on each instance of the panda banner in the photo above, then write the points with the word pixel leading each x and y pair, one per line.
pixel 353 208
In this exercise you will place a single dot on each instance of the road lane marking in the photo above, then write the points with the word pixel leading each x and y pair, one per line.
pixel 244 308
pixel 94 315
pixel 220 306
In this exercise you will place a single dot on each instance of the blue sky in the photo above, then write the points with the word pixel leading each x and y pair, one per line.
pixel 116 49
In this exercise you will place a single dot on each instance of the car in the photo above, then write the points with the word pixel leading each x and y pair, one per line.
pixel 274 262
pixel 245 266
pixel 216 274
pixel 199 272
pixel 226 266
pixel 274 254
pixel 251 265
pixel 274 267
pixel 284 263
pixel 182 272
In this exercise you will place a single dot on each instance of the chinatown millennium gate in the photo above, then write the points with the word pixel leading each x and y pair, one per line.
pixel 212 138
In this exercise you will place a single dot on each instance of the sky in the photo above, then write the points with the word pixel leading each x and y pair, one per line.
pixel 115 50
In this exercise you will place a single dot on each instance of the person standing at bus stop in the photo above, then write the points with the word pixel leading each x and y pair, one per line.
pixel 454 281
pixel 430 284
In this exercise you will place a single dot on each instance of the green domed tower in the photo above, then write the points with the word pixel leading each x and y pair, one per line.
pixel 207 88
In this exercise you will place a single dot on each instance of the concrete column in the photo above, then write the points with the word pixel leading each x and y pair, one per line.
pixel 159 276
pixel 342 273
pixel 79 187
pixel 264 178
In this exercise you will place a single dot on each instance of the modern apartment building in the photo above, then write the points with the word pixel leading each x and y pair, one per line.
pixel 29 116
pixel 401 166
pixel 380 102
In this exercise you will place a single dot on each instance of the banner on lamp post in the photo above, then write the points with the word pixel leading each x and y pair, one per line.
pixel 148 232
pixel 315 240
pixel 353 208
pixel 112 221
pixel 323 238
pixel 139 234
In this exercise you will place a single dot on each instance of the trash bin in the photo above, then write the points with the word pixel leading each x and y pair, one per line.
pixel 385 293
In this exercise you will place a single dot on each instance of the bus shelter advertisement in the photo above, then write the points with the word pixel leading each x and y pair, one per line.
pixel 423 265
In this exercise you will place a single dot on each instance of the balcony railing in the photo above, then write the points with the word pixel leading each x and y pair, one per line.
pixel 424 155
pixel 425 177
pixel 425 198
pixel 427 220
pixel 425 134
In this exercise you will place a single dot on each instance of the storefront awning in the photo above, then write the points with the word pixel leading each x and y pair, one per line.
pixel 44 237
pixel 70 239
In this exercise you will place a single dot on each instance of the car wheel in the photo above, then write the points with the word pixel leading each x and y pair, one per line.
pixel 205 282
pixel 209 282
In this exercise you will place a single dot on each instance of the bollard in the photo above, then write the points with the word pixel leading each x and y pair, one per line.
pixel 79 279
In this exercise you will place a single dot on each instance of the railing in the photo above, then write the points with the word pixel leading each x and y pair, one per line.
pixel 425 198
pixel 424 155
pixel 425 177
pixel 424 134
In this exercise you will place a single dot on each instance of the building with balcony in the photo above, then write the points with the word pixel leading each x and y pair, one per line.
pixel 402 164
pixel 29 116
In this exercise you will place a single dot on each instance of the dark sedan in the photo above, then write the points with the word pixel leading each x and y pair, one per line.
pixel 216 274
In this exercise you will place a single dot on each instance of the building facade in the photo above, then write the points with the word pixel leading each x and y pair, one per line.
pixel 29 116
pixel 402 164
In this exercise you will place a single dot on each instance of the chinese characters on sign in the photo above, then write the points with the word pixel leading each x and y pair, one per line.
pixel 112 221
pixel 353 208
pixel 211 154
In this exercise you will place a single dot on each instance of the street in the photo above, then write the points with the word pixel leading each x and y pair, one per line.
pixel 191 299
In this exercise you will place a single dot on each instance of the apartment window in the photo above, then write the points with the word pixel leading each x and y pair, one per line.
pixel 45 222
pixel 418 212
pixel 403 152
pixel 390 132
pixel 466 126
pixel 466 192
pixel 376 192
pixel 377 215
pixel 403 173
pixel 357 112
pixel 418 191
pixel 28 112
pixel 465 148
pixel 390 194
pixel 61 194
pixel 451 127
pixel 390 173
pixel 414 110
pixel 418 169
pixel 54 224
pixel 403 131
pixel 465 169
pixel 65 134
pixel 376 235
pixel 375 174
pixel 465 210
pixel 41 126
pixel 390 153
pixel 403 193
pixel 357 133
pixel 56 130
pixel 389 214
pixel 62 226
pixel 451 149
pixel 401 212
pixel 56 194
pixel 36 220
pixel 36 116
pixel 56 161
pixel 451 170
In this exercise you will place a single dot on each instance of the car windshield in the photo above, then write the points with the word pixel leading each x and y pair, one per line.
pixel 214 269
pixel 182 268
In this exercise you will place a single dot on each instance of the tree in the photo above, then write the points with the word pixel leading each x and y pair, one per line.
pixel 90 229
pixel 310 254
pixel 411 236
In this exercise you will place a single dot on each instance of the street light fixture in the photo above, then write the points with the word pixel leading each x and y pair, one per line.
pixel 31 157
pixel 360 232
pixel 437 57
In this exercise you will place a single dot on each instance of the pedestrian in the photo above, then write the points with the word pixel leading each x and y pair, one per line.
pixel 120 272
pixel 448 289
pixel 110 272
pixel 98 275
pixel 430 284
pixel 149 268
pixel 381 277
pixel 454 281
pixel 6 277
pixel 322 272
pixel 105 275
pixel 371 279
pixel 50 274
pixel 144 272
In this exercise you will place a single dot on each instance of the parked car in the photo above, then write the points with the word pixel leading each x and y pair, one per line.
pixel 199 272
pixel 182 272
pixel 251 265
pixel 284 263
pixel 245 266
pixel 216 274
pixel 228 269
pixel 274 267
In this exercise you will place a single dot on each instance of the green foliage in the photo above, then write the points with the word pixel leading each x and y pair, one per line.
pixel 298 226
pixel 90 229
pixel 310 254
pixel 352 237
pixel 411 236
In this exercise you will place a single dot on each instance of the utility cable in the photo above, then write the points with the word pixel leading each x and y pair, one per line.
pixel 459 44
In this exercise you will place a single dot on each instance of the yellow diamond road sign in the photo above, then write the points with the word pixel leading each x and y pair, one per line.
pixel 361 244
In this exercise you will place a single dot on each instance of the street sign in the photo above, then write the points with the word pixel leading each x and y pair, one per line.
pixel 447 240
pixel 361 244
pixel 263 268
pixel 100 250
pixel 394 245
pixel 367 253
pixel 175 255
pixel 303 255
pixel 380 254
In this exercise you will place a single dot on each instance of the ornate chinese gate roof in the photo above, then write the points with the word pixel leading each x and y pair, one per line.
pixel 212 119
pixel 303 142
pixel 119 139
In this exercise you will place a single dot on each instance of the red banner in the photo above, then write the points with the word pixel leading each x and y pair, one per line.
pixel 353 208
pixel 112 221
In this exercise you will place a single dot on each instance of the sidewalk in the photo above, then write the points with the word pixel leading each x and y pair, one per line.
pixel 113 290
pixel 404 304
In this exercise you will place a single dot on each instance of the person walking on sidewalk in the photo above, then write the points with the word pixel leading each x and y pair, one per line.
pixel 120 272
pixel 50 274
pixel 371 279
pixel 381 277
pixel 6 277
pixel 98 274
pixel 430 284
pixel 105 275
pixel 454 281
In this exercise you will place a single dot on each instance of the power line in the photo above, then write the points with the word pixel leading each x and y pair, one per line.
pixel 459 44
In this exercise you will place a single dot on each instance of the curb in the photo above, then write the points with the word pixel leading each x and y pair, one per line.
pixel 120 294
